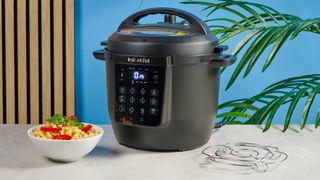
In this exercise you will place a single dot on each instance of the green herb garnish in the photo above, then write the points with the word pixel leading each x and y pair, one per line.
pixel 75 122
pixel 57 119
pixel 60 119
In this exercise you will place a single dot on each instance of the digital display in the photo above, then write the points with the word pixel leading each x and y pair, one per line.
pixel 138 75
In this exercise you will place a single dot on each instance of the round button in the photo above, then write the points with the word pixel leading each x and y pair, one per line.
pixel 155 77
pixel 154 92
pixel 132 90
pixel 143 91
pixel 153 102
pixel 122 108
pixel 122 89
pixel 153 111
pixel 122 99
pixel 131 109
pixel 142 100
pixel 132 99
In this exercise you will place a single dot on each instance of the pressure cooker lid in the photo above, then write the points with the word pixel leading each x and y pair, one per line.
pixel 157 32
pixel 188 37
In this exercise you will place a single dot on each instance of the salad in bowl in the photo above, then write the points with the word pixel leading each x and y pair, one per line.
pixel 64 138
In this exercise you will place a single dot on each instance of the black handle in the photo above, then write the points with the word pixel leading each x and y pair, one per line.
pixel 196 25
pixel 222 61
pixel 99 54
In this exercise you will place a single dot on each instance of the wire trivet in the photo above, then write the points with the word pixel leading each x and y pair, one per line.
pixel 243 157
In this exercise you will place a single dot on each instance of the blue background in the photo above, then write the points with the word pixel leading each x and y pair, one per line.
pixel 97 19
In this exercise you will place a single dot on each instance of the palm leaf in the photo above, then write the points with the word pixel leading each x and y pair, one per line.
pixel 303 26
pixel 246 57
pixel 292 106
pixel 219 6
pixel 270 27
pixel 265 105
pixel 226 20
pixel 308 104
pixel 317 119
pixel 234 114
pixel 263 8
pixel 279 40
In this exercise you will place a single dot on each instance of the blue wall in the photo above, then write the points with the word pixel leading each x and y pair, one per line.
pixel 97 19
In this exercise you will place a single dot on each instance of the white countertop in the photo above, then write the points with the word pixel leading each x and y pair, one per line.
pixel 109 160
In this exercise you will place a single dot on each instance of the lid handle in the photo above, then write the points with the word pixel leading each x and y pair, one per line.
pixel 196 25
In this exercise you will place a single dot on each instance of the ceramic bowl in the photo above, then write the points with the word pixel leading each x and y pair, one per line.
pixel 65 150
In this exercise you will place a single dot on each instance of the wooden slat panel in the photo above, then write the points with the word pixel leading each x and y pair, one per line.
pixel 10 94
pixel 22 62
pixel 70 91
pixel 1 62
pixel 34 62
pixel 46 59
pixel 57 49
pixel 16 61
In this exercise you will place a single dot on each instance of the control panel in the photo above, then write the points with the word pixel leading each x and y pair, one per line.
pixel 139 94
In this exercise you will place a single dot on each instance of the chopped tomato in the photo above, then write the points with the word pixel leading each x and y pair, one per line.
pixel 50 129
pixel 62 137
pixel 72 117
pixel 87 128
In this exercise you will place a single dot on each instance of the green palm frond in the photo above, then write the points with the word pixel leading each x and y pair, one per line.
pixel 262 107
pixel 263 25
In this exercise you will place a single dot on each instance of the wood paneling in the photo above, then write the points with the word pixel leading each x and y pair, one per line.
pixel 22 61
pixel 70 99
pixel 58 61
pixel 46 59
pixel 36 60
pixel 1 71
pixel 9 61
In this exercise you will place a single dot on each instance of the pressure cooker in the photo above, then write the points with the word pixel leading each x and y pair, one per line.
pixel 163 80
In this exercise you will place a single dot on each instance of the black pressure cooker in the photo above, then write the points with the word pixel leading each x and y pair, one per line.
pixel 163 80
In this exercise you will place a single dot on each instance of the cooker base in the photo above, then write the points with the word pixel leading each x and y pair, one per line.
pixel 164 150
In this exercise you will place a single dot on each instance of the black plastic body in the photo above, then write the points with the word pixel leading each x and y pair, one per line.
pixel 189 74
pixel 188 111
pixel 139 92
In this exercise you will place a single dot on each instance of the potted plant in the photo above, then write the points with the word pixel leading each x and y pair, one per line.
pixel 263 27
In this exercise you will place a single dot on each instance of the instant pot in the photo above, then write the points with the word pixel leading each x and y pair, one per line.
pixel 163 80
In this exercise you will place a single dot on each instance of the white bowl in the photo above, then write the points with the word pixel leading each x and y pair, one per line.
pixel 65 150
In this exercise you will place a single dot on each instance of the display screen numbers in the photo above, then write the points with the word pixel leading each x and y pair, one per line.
pixel 139 75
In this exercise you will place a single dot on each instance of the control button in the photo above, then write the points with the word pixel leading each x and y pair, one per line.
pixel 155 77
pixel 153 102
pixel 121 74
pixel 142 100
pixel 122 90
pixel 122 108
pixel 132 99
pixel 143 91
pixel 132 90
pixel 122 99
pixel 131 109
pixel 156 72
pixel 141 119
pixel 153 111
pixel 154 92
pixel 142 111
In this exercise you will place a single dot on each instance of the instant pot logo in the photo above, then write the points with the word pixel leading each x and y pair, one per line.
pixel 139 60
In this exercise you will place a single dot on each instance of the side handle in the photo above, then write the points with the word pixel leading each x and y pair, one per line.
pixel 99 54
pixel 223 61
